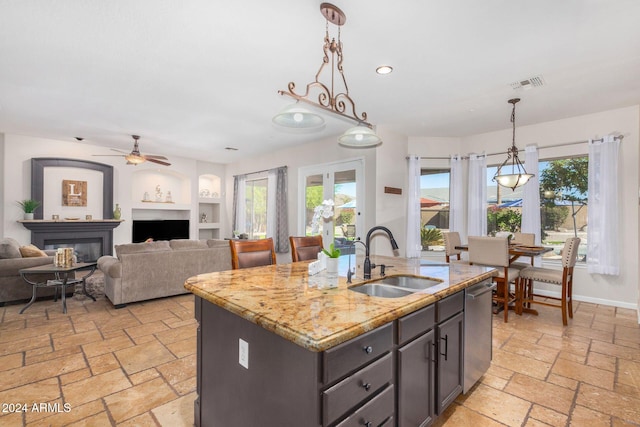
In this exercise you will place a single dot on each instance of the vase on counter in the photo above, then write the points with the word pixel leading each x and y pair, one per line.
pixel 332 265
pixel 117 212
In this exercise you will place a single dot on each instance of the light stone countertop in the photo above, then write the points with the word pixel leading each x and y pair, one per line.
pixel 281 298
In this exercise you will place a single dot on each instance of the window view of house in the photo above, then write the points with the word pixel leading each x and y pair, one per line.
pixel 256 208
pixel 563 205
pixel 434 208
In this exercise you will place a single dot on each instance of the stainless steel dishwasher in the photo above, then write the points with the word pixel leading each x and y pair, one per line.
pixel 477 332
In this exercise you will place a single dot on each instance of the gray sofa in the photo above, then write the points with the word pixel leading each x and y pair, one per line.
pixel 142 271
pixel 13 288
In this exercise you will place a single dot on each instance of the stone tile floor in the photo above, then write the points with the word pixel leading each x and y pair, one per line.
pixel 97 366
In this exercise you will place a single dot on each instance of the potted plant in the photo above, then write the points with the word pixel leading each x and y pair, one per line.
pixel 29 206
pixel 332 262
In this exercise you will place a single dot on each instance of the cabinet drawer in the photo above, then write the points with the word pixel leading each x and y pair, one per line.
pixel 376 412
pixel 414 324
pixel 352 354
pixel 348 393
pixel 447 307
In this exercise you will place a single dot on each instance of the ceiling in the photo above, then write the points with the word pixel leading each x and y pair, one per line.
pixel 192 78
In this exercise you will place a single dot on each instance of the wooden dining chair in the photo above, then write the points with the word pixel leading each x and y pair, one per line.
pixel 252 253
pixel 563 278
pixel 451 240
pixel 494 252
pixel 305 248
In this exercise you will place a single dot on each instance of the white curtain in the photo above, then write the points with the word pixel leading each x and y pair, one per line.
pixel 531 197
pixel 456 197
pixel 414 246
pixel 603 252
pixel 477 212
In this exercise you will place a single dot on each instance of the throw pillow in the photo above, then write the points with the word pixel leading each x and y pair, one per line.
pixel 9 248
pixel 31 251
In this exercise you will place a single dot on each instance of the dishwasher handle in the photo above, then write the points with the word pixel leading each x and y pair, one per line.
pixel 477 291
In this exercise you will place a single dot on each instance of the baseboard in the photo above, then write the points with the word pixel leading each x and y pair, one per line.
pixel 591 300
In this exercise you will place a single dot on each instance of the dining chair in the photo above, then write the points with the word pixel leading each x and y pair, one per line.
pixel 563 278
pixel 305 248
pixel 451 240
pixel 252 253
pixel 494 252
pixel 527 239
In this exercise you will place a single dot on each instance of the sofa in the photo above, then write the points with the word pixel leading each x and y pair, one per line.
pixel 13 258
pixel 143 271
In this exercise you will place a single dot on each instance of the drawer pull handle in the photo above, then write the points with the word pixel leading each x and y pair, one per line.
pixel 366 386
pixel 368 424
pixel 368 349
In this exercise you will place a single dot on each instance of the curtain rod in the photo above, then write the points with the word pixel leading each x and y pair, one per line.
pixel 620 137
pixel 262 171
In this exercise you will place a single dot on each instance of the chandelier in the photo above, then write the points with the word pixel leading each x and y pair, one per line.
pixel 327 97
pixel 518 176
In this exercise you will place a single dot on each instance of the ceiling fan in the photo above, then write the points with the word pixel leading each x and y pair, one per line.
pixel 135 157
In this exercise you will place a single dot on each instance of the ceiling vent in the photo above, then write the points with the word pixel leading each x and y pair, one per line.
pixel 529 83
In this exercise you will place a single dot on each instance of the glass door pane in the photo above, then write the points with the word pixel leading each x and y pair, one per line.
pixel 345 209
pixel 314 195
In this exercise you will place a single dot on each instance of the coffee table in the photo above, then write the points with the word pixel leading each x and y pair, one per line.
pixel 61 280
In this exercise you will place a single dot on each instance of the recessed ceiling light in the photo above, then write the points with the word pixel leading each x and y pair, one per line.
pixel 384 69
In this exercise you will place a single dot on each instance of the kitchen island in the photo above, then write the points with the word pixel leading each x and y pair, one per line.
pixel 276 347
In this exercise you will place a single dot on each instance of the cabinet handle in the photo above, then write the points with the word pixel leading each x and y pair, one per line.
pixel 431 351
pixel 368 424
pixel 366 386
pixel 446 346
pixel 368 349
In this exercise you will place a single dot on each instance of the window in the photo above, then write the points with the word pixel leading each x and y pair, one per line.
pixel 256 208
pixel 434 208
pixel 563 204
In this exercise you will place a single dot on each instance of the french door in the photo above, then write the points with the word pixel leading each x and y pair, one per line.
pixel 343 184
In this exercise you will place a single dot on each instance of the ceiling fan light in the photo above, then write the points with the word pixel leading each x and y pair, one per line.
pixel 297 117
pixel 133 159
pixel 359 137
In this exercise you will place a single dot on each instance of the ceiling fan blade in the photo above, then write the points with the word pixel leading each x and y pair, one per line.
pixel 160 162
pixel 119 151
pixel 155 157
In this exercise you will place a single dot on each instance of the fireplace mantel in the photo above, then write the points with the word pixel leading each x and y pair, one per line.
pixel 43 231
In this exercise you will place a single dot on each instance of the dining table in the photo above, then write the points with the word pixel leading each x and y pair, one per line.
pixel 517 250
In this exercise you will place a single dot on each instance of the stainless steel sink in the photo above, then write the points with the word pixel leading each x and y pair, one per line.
pixel 395 286
pixel 383 291
pixel 408 282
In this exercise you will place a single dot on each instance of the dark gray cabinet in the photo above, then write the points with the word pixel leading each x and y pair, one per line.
pixel 449 336
pixel 403 373
pixel 416 382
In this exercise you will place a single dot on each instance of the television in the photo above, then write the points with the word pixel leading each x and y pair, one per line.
pixel 160 229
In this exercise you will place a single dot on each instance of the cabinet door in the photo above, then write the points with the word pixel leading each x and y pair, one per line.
pixel 416 381
pixel 449 337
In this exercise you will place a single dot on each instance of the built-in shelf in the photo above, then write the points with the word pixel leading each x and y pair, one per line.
pixel 209 206
pixel 162 206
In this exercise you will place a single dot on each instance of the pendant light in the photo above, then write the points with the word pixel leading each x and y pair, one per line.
pixel 511 173
pixel 329 95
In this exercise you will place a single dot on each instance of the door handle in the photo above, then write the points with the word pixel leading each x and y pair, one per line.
pixel 446 346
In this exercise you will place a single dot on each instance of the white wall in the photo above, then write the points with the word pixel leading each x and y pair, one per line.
pixel 16 174
pixel 622 290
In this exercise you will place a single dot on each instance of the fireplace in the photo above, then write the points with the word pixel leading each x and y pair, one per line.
pixel 90 239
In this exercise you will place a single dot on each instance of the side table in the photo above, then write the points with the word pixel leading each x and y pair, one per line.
pixel 61 280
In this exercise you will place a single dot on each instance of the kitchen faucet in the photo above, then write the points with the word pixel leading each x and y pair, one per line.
pixel 367 261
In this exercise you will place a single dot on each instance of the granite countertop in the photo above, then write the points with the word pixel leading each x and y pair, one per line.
pixel 284 299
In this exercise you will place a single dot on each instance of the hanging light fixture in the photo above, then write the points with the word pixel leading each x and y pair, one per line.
pixel 326 97
pixel 518 176
pixel 296 117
